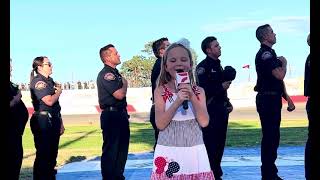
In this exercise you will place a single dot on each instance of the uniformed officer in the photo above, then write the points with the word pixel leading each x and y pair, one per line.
pixel 18 117
pixel 271 71
pixel 312 156
pixel 112 90
pixel 46 122
pixel 210 77
pixel 158 48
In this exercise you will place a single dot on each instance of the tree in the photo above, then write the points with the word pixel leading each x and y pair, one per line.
pixel 138 71
pixel 148 48
pixel 194 56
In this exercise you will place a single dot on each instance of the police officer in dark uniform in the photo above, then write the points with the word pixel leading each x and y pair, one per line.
pixel 18 117
pixel 114 119
pixel 271 71
pixel 312 156
pixel 158 48
pixel 210 77
pixel 46 123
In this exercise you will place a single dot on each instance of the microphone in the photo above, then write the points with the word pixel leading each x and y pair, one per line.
pixel 183 78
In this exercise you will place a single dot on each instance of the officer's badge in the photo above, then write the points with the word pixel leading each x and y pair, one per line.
pixel 266 55
pixel 200 70
pixel 109 76
pixel 40 85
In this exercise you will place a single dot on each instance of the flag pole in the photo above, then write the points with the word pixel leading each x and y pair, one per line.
pixel 248 67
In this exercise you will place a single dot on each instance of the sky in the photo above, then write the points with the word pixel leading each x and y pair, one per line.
pixel 70 33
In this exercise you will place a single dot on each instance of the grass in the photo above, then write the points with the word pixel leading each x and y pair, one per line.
pixel 84 141
pixel 247 133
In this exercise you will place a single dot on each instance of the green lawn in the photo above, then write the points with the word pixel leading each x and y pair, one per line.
pixel 246 133
pixel 81 142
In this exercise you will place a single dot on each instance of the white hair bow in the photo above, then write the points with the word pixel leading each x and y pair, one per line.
pixel 184 42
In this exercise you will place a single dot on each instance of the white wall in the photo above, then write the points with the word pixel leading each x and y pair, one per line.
pixel 85 101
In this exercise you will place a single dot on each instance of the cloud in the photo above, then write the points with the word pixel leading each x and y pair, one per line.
pixel 293 24
pixel 287 24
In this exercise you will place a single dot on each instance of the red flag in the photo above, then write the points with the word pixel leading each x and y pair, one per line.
pixel 246 66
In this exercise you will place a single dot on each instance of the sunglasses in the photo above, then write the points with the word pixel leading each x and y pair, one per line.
pixel 49 64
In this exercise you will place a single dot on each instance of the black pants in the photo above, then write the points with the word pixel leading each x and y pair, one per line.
pixel 153 123
pixel 116 135
pixel 14 155
pixel 312 155
pixel 214 136
pixel 14 152
pixel 46 133
pixel 269 109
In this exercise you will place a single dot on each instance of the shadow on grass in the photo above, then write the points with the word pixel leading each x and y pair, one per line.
pixel 143 136
pixel 66 143
pixel 75 159
pixel 77 139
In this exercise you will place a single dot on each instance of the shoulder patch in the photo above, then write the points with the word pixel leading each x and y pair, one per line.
pixel 40 85
pixel 200 70
pixel 109 76
pixel 266 55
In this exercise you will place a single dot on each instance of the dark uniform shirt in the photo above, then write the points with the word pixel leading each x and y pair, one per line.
pixel 266 60
pixel 108 81
pixel 307 77
pixel 210 77
pixel 154 75
pixel 13 90
pixel 18 112
pixel 40 87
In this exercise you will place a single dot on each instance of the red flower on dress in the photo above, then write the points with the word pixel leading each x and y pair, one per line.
pixel 196 91
pixel 167 95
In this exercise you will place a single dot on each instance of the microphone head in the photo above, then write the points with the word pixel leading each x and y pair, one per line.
pixel 182 77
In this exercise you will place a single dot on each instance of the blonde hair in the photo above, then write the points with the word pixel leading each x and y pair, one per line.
pixel 164 76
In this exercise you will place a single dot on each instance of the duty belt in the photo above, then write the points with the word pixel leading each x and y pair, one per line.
pixel 112 108
pixel 42 113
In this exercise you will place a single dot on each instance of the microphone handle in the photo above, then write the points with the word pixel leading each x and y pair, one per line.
pixel 185 105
